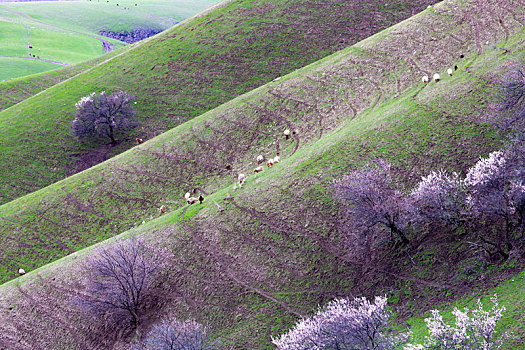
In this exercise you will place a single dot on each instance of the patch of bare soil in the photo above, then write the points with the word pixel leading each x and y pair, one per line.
pixel 87 160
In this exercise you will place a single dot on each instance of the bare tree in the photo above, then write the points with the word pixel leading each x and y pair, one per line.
pixel 103 115
pixel 373 202
pixel 122 284
pixel 178 335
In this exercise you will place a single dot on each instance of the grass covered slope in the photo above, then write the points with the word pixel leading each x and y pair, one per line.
pixel 249 261
pixel 180 74
pixel 122 15
pixel 119 194
pixel 16 90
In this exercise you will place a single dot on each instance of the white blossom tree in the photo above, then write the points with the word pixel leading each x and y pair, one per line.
pixel 472 330
pixel 439 199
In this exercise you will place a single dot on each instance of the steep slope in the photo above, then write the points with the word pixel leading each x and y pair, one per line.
pixel 251 260
pixel 198 65
pixel 117 195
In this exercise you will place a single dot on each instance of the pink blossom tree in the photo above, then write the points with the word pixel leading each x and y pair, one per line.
pixel 373 203
pixel 439 200
pixel 103 116
pixel 343 324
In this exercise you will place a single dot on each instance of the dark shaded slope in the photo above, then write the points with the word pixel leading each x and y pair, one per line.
pixel 178 75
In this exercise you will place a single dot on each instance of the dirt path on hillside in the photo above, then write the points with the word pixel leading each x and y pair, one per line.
pixel 37 59
pixel 106 45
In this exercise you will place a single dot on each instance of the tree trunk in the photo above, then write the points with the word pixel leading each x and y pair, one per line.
pixel 400 233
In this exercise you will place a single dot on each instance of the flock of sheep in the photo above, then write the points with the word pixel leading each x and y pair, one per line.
pixel 436 77
pixel 260 159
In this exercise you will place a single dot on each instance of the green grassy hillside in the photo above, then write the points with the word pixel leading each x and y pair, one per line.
pixel 67 32
pixel 93 16
pixel 180 74
pixel 250 260
pixel 16 90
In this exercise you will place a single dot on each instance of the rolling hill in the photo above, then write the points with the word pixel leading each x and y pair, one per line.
pixel 250 260
pixel 196 66
pixel 39 36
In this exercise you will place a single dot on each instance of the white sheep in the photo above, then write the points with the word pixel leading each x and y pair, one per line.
pixel 21 271
pixel 269 163
pixel 449 71
pixel 258 169
pixel 187 195
pixel 241 179
pixel 287 134
pixel 260 159
pixel 276 159
pixel 162 209
pixel 436 77
pixel 191 200
pixel 424 79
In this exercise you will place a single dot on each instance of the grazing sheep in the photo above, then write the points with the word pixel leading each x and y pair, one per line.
pixel 449 71
pixel 258 169
pixel 139 140
pixel 436 77
pixel 201 198
pixel 21 271
pixel 424 79
pixel 287 134
pixel 270 163
pixel 162 209
pixel 187 195
pixel 276 159
pixel 260 159
pixel 191 200
pixel 241 179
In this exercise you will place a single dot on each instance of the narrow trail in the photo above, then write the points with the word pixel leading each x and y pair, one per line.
pixel 106 45
pixel 37 59
pixel 225 267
